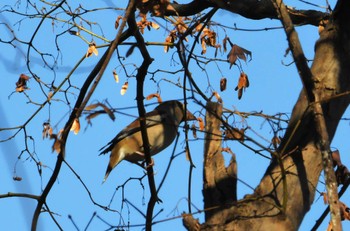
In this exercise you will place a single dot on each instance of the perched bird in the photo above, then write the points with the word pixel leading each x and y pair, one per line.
pixel 162 124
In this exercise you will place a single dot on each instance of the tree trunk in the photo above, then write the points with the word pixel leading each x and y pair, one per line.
pixel 287 189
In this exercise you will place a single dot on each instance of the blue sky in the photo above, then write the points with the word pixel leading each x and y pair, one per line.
pixel 274 88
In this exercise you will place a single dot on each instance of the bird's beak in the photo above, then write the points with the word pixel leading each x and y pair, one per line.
pixel 190 116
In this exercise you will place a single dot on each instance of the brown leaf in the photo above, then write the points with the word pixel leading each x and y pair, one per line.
pixel 201 123
pixel 108 111
pixel 91 50
pixel 275 141
pixel 116 25
pixel 75 126
pixel 130 50
pixel 325 198
pixel 204 46
pixel 187 154
pixel 243 83
pixel 228 150
pixel 47 130
pixel 92 106
pixel 234 134
pixel 73 32
pixel 194 131
pixel 217 96
pixel 344 211
pixel 17 178
pixel 21 84
pixel 124 88
pixel 223 82
pixel 154 95
pixel 238 52
pixel 116 77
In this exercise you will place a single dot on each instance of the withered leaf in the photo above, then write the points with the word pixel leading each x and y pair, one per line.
pixel 124 88
pixel 201 123
pixel 21 84
pixel 275 141
pixel 75 126
pixel 234 134
pixel 344 211
pixel 91 50
pixel 228 150
pixel 238 52
pixel 47 130
pixel 194 131
pixel 154 95
pixel 94 114
pixel 116 77
pixel 243 83
pixel 217 96
pixel 223 82
pixel 17 178
pixel 73 32
pixel 116 24
pixel 108 111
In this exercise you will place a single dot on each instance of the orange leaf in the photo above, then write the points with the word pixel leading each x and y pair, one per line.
pixel 21 84
pixel 116 25
pixel 217 96
pixel 116 77
pixel 201 123
pixel 243 83
pixel 154 95
pixel 325 198
pixel 223 82
pixel 91 50
pixel 194 131
pixel 238 52
pixel 75 126
pixel 124 88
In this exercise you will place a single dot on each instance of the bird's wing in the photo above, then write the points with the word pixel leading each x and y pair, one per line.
pixel 152 119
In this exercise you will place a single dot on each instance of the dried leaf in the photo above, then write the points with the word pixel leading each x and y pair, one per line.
pixel 325 198
pixel 124 88
pixel 75 126
pixel 21 84
pixel 91 50
pixel 194 131
pixel 116 77
pixel 17 178
pixel 151 96
pixel 217 96
pixel 154 25
pixel 224 43
pixel 223 82
pixel 91 116
pixel 336 158
pixel 73 32
pixel 92 106
pixel 275 141
pixel 344 211
pixel 204 46
pixel 187 154
pixel 238 52
pixel 47 130
pixel 234 134
pixel 243 83
pixel 201 123
pixel 116 24
pixel 228 150
pixel 57 144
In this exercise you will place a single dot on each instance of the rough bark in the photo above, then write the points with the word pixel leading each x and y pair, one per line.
pixel 302 162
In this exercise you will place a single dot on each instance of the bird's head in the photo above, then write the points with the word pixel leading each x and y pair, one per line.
pixel 177 110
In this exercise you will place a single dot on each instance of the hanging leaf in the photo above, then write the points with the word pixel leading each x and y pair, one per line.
pixel 234 134
pixel 154 25
pixel 228 150
pixel 344 211
pixel 217 96
pixel 21 84
pixel 201 123
pixel 75 126
pixel 91 50
pixel 116 24
pixel 108 111
pixel 243 83
pixel 154 95
pixel 194 131
pixel 47 130
pixel 325 198
pixel 73 32
pixel 223 82
pixel 17 178
pixel 124 88
pixel 275 141
pixel 238 52
pixel 116 77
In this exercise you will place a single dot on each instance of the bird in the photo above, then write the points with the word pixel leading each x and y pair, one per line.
pixel 162 124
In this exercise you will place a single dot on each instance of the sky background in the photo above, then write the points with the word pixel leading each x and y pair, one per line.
pixel 273 89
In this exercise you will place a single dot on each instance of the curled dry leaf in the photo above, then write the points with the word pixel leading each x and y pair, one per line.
pixel 344 211
pixel 170 39
pixel 116 77
pixel 238 52
pixel 194 131
pixel 275 141
pixel 124 88
pixel 325 198
pixel 187 154
pixel 47 130
pixel 94 114
pixel 17 178
pixel 223 82
pixel 228 150
pixel 75 126
pixel 73 32
pixel 154 95
pixel 201 123
pixel 116 24
pixel 243 83
pixel 91 50
pixel 234 134
pixel 21 84
pixel 217 96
